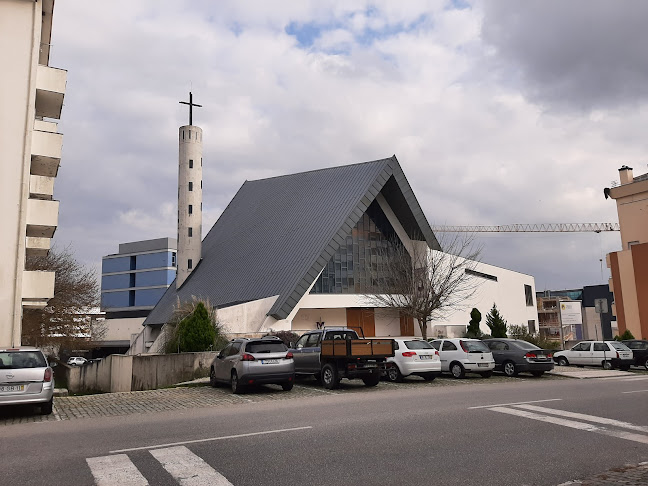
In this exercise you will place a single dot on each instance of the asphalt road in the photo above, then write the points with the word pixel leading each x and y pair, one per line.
pixel 468 435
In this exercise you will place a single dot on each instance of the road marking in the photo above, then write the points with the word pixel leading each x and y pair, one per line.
pixel 188 468
pixel 582 416
pixel 251 434
pixel 112 470
pixel 516 403
pixel 573 424
pixel 639 378
pixel 636 391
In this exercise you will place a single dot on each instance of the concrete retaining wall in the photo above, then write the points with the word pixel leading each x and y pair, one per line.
pixel 118 373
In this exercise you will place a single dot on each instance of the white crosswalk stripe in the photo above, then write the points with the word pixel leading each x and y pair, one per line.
pixel 549 417
pixel 115 470
pixel 188 468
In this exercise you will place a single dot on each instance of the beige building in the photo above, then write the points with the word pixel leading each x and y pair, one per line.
pixel 629 267
pixel 31 96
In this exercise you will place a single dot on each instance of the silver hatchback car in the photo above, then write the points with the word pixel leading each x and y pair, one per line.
pixel 26 378
pixel 253 362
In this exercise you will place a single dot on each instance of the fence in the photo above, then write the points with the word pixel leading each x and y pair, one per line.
pixel 120 373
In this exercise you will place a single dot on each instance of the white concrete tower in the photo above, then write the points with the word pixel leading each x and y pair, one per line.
pixel 189 197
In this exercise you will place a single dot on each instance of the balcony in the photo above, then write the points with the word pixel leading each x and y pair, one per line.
pixel 41 187
pixel 50 91
pixel 42 218
pixel 46 153
pixel 37 247
pixel 37 289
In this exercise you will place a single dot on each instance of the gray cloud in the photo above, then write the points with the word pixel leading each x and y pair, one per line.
pixel 577 54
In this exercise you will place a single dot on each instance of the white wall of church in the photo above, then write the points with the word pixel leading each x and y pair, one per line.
pixel 247 318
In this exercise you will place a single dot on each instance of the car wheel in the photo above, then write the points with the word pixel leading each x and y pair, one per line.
pixel 486 374
pixel 537 373
pixel 394 374
pixel 457 370
pixel 372 380
pixel 510 369
pixel 287 386
pixel 212 378
pixel 607 365
pixel 646 364
pixel 429 376
pixel 236 384
pixel 562 361
pixel 330 378
pixel 46 408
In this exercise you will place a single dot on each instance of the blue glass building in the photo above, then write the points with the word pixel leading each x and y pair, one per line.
pixel 134 280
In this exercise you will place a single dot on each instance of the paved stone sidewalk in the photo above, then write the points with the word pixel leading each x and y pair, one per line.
pixel 628 475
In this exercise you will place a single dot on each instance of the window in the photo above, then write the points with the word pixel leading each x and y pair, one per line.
pixel 190 186
pixel 225 351
pixel 261 347
pixel 313 340
pixel 234 349
pixel 190 263
pixel 475 273
pixel 476 346
pixel 497 345
pixel 173 259
pixel 190 232
pixel 132 280
pixel 531 325
pixel 528 295
pixel 436 345
pixel 191 163
pixel 301 342
pixel 582 347
pixel 448 346
pixel 190 209
pixel 131 298
pixel 600 347
pixel 418 344
pixel 133 262
pixel 22 359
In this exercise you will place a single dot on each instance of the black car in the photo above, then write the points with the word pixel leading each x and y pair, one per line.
pixel 513 356
pixel 639 351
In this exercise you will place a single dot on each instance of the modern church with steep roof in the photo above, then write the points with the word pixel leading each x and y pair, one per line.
pixel 295 252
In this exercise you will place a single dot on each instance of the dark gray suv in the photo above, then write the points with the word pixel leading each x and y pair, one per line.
pixel 513 356
pixel 255 361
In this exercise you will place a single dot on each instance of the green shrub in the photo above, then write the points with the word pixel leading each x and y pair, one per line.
pixel 473 330
pixel 626 335
pixel 194 327
pixel 496 323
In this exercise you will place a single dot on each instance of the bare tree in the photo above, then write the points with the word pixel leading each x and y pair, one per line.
pixel 65 323
pixel 427 284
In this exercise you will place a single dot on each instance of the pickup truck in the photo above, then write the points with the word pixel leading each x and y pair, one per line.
pixel 331 354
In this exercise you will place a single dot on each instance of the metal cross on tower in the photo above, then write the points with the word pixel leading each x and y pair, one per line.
pixel 191 105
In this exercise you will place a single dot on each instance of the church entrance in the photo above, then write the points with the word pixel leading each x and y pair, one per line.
pixel 361 320
pixel 406 325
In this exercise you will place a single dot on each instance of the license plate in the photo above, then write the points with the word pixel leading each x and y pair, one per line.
pixel 482 365
pixel 269 361
pixel 371 365
pixel 12 388
pixel 425 356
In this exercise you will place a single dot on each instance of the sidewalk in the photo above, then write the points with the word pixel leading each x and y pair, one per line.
pixel 628 475
pixel 585 373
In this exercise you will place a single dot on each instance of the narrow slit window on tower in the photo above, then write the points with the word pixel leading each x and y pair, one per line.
pixel 190 186
pixel 190 263
pixel 182 134
pixel 191 163
pixel 201 184
pixel 189 134
pixel 190 232
pixel 190 209
pixel 200 161
pixel 173 259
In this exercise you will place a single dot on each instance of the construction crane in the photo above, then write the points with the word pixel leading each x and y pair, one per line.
pixel 531 228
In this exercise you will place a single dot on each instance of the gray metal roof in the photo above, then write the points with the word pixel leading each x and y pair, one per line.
pixel 277 234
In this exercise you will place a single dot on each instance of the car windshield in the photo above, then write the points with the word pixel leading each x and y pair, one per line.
pixel 526 345
pixel 476 347
pixel 21 359
pixel 620 347
pixel 418 344
pixel 261 347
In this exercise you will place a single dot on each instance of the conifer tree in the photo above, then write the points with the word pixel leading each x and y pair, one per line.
pixel 496 323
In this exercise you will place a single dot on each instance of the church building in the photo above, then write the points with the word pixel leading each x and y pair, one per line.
pixel 295 252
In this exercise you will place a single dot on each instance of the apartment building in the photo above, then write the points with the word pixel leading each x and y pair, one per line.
pixel 31 99
pixel 629 266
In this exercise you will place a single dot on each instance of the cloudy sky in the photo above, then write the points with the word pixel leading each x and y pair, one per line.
pixel 499 112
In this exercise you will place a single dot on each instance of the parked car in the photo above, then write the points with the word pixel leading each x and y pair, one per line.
pixel 76 361
pixel 256 361
pixel 609 354
pixel 26 378
pixel 413 356
pixel 461 355
pixel 513 356
pixel 639 349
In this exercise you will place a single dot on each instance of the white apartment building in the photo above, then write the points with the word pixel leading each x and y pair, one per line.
pixel 31 99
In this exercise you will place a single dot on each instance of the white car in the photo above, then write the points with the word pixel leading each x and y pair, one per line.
pixel 413 356
pixel 77 361
pixel 608 354
pixel 459 355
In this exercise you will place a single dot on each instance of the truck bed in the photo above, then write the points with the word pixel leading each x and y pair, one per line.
pixel 357 348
